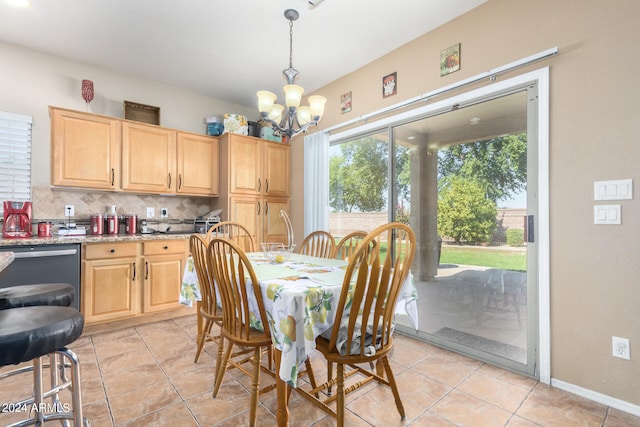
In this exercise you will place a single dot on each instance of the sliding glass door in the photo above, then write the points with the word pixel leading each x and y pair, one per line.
pixel 462 178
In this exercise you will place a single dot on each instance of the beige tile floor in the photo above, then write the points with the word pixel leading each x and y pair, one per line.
pixel 145 376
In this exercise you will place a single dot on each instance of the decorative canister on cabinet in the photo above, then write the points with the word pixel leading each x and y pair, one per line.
pixel 214 126
pixel 254 129
pixel 235 123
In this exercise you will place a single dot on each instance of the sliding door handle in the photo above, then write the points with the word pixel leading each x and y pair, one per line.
pixel 530 229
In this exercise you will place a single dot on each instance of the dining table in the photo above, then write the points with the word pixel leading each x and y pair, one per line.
pixel 300 295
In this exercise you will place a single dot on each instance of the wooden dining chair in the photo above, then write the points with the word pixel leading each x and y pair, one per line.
pixel 232 272
pixel 364 323
pixel 209 312
pixel 346 247
pixel 319 244
pixel 233 231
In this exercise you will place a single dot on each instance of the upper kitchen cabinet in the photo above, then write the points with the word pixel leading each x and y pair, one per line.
pixel 254 185
pixel 98 152
pixel 198 160
pixel 256 166
pixel 85 150
pixel 148 158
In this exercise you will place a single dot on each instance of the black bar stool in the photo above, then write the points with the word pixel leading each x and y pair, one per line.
pixel 28 334
pixel 61 294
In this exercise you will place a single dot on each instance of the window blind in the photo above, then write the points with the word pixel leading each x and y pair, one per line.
pixel 15 157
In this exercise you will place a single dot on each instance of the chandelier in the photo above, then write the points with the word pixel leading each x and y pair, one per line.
pixel 293 119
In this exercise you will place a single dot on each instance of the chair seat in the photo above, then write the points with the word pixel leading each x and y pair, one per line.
pixel 59 294
pixel 30 332
pixel 255 338
pixel 322 345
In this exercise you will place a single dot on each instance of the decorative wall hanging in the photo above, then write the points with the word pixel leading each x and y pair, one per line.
pixel 450 60
pixel 389 85
pixel 141 112
pixel 345 103
pixel 87 92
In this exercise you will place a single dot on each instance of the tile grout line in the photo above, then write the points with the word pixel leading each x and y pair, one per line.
pixel 102 383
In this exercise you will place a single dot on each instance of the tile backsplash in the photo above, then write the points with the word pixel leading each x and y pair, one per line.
pixel 48 204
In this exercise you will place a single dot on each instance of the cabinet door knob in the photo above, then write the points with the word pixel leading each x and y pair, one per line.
pixel 113 251
pixel 166 247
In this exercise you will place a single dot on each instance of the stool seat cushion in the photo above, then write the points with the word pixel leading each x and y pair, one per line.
pixel 30 332
pixel 61 294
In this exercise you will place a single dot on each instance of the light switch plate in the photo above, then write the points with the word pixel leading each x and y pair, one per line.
pixel 607 214
pixel 621 189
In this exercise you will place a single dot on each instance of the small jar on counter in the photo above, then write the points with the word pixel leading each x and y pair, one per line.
pixel 96 223
pixel 44 229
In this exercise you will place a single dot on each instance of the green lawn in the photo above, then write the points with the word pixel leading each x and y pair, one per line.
pixel 488 257
pixel 505 259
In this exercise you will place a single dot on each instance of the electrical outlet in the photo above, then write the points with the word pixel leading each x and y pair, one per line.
pixel 620 347
pixel 69 211
pixel 164 213
pixel 151 212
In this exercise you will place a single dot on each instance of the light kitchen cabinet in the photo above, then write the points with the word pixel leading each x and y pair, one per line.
pixel 110 284
pixel 98 152
pixel 254 185
pixel 148 158
pixel 259 167
pixel 85 150
pixel 121 280
pixel 164 263
pixel 197 164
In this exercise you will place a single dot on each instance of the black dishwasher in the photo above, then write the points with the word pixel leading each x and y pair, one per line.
pixel 35 264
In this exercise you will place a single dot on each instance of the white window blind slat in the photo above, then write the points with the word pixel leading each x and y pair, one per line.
pixel 15 157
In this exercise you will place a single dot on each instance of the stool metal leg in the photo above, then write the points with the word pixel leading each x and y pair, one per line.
pixel 58 378
pixel 38 404
pixel 38 408
pixel 75 386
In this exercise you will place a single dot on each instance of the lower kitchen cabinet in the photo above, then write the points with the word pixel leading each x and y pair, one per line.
pixel 110 284
pixel 127 279
pixel 163 268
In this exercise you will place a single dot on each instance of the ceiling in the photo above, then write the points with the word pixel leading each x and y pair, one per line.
pixel 224 49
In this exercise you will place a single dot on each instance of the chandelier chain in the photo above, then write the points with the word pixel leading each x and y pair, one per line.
pixel 290 43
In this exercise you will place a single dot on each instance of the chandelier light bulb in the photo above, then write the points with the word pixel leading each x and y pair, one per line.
pixel 316 104
pixel 265 100
pixel 293 95
pixel 304 115
pixel 275 113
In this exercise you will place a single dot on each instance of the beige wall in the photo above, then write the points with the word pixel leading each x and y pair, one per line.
pixel 594 131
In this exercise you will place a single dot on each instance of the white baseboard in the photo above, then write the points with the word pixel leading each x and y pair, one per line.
pixel 597 397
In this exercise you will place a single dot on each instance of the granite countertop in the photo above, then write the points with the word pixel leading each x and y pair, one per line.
pixel 61 240
pixel 6 258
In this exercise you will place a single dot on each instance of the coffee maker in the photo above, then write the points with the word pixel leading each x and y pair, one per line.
pixel 17 220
